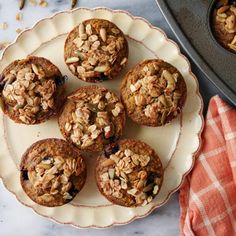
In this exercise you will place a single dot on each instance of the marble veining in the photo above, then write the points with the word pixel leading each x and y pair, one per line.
pixel 16 219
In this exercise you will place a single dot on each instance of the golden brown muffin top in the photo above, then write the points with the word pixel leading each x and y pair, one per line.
pixel 129 173
pixel 96 50
pixel 52 172
pixel 92 117
pixel 153 92
pixel 29 89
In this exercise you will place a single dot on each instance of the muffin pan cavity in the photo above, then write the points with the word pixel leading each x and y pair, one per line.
pixel 190 21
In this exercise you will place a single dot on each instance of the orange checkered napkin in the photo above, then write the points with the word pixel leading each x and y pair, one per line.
pixel 208 195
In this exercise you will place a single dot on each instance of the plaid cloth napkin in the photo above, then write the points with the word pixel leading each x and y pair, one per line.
pixel 208 195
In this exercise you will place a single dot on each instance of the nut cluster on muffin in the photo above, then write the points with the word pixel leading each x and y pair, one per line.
pixel 129 173
pixel 224 24
pixel 52 172
pixel 92 117
pixel 31 89
pixel 153 92
pixel 96 50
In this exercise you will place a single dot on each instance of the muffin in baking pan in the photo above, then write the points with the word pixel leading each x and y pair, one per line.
pixel 92 117
pixel 32 90
pixel 52 172
pixel 96 50
pixel 153 92
pixel 223 23
pixel 129 173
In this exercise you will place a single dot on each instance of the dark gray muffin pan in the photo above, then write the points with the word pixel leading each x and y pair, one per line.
pixel 190 21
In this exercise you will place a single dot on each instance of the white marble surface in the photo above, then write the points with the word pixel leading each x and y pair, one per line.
pixel 16 219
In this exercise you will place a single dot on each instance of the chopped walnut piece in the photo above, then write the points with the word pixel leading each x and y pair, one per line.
pixel 19 16
pixel 43 3
pixel 33 3
pixel 18 30
pixel 3 25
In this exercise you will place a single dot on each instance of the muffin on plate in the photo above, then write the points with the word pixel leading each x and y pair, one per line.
pixel 92 117
pixel 96 50
pixel 153 92
pixel 129 173
pixel 52 172
pixel 224 23
pixel 31 90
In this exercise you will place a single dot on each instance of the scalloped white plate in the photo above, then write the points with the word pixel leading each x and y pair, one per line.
pixel 175 143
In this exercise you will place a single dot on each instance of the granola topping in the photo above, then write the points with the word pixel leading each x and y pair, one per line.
pixel 93 117
pixel 3 25
pixel 156 95
pixel 43 3
pixel 51 176
pixel 29 92
pixel 125 173
pixel 226 16
pixel 19 16
pixel 96 50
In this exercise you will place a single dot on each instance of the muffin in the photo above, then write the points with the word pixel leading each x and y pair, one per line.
pixel 92 117
pixel 31 90
pixel 153 92
pixel 52 172
pixel 96 50
pixel 224 23
pixel 129 173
